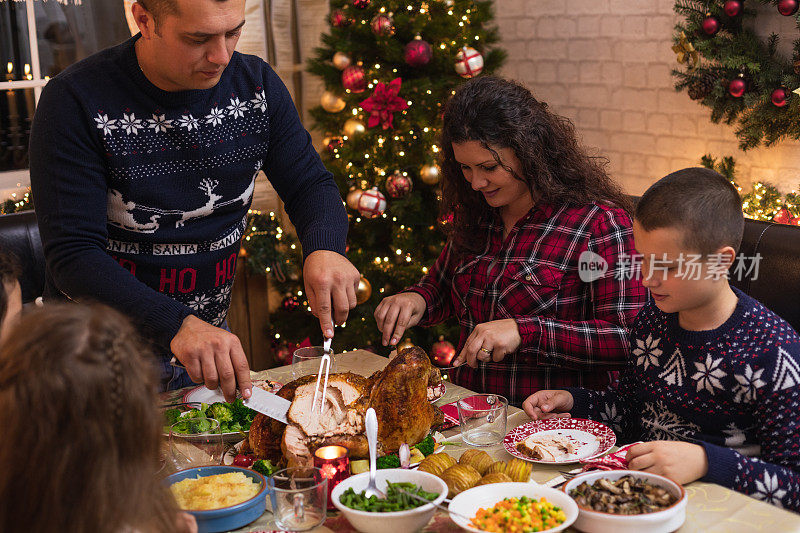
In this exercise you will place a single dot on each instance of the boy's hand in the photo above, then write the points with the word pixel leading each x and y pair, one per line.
pixel 682 462
pixel 547 404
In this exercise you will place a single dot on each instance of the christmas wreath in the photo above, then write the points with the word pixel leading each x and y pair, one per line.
pixel 742 78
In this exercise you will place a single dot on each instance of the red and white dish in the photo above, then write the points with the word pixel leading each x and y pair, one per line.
pixel 201 394
pixel 591 439
pixel 436 392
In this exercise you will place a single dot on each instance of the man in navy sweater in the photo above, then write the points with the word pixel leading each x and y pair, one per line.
pixel 143 161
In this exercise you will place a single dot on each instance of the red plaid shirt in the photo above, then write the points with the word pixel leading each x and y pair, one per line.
pixel 573 332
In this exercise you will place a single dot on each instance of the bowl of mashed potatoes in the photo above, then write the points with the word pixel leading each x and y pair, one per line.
pixel 221 498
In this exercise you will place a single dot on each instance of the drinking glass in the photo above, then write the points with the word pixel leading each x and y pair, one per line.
pixel 305 361
pixel 299 498
pixel 195 442
pixel 482 419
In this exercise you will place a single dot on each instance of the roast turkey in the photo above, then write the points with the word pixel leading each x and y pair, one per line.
pixel 398 393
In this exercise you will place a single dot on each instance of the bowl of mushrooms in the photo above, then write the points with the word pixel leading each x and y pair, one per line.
pixel 627 501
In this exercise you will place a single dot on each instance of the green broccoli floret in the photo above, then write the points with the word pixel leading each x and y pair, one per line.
pixel 264 467
pixel 388 461
pixel 196 413
pixel 426 446
pixel 241 413
pixel 220 411
pixel 171 416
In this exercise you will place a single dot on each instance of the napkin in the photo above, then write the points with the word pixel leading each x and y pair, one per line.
pixel 450 416
pixel 611 461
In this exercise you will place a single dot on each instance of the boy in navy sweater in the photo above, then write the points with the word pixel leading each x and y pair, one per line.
pixel 713 382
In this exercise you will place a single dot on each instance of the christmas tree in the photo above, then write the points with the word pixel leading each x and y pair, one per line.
pixel 740 77
pixel 388 68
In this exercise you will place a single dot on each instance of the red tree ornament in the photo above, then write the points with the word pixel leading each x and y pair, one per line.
pixel 732 8
pixel 372 203
pixel 444 221
pixel 283 354
pixel 787 8
pixel 332 142
pixel 469 62
pixel 382 25
pixel 417 53
pixel 737 87
pixel 339 19
pixel 443 352
pixel 354 79
pixel 782 216
pixel 711 25
pixel 361 4
pixel 398 185
pixel 778 97
pixel 290 303
pixel 383 103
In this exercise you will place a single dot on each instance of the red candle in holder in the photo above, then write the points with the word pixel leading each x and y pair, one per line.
pixel 335 466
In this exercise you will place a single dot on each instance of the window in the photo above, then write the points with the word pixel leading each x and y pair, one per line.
pixel 39 39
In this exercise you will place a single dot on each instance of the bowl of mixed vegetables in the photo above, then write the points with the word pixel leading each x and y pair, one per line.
pixel 234 418
pixel 398 512
pixel 513 507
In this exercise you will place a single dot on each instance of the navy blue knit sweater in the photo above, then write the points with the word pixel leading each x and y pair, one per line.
pixel 142 194
pixel 734 390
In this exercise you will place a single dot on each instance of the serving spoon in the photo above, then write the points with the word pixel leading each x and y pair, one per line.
pixel 371 423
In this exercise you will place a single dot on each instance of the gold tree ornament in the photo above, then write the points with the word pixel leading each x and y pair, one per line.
pixel 363 291
pixel 353 196
pixel 686 52
pixel 331 102
pixel 353 127
pixel 341 60
pixel 403 344
pixel 429 174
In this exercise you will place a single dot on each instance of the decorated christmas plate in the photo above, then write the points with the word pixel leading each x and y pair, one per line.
pixel 559 440
pixel 436 392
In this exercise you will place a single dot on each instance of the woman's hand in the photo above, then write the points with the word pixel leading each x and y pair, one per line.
pixel 490 341
pixel 682 462
pixel 397 313
pixel 546 404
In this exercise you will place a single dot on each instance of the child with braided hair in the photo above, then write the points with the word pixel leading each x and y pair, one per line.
pixel 81 429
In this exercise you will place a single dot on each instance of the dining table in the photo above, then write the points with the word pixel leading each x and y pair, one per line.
pixel 711 508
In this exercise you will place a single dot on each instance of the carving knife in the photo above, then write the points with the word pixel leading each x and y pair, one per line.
pixel 264 402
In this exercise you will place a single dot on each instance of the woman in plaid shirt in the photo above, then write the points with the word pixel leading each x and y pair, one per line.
pixel 529 206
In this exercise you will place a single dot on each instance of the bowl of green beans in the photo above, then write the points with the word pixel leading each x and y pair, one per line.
pixel 399 512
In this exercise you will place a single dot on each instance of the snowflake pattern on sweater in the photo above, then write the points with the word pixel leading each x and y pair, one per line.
pixel 734 390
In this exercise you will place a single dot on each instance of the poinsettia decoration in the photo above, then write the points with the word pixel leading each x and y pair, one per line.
pixel 384 103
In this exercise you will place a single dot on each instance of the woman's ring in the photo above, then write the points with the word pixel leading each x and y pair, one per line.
pixel 487 351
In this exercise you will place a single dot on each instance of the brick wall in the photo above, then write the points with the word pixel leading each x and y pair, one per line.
pixel 605 64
